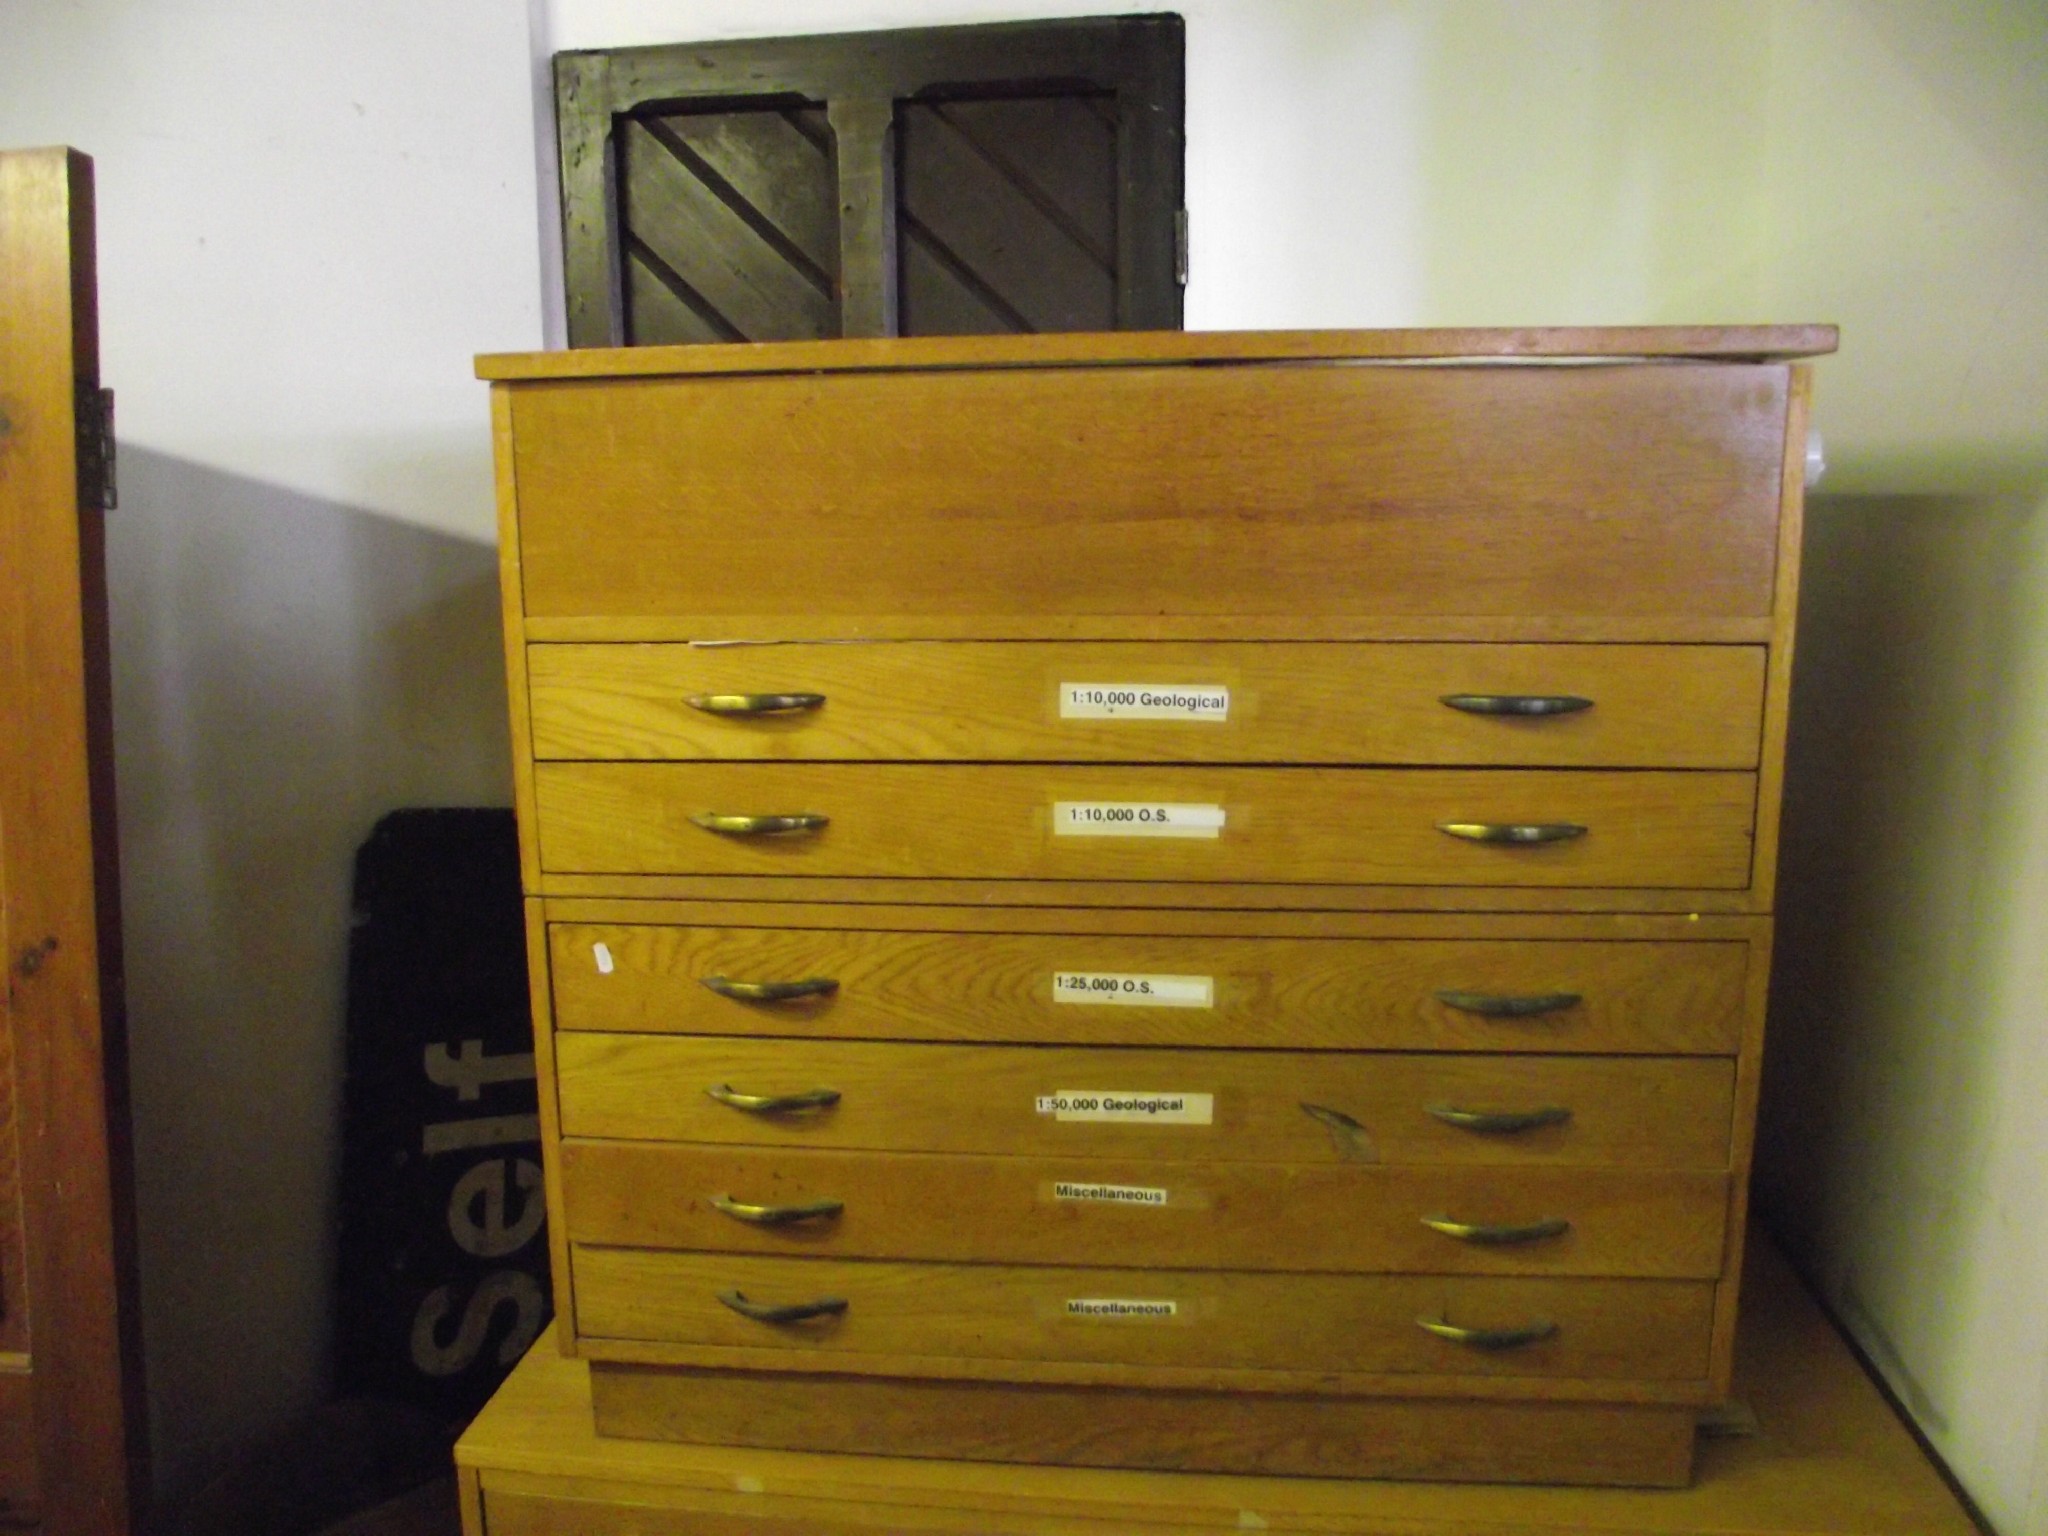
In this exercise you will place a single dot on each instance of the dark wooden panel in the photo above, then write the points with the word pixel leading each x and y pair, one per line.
pixel 1046 159
pixel 728 227
pixel 1008 215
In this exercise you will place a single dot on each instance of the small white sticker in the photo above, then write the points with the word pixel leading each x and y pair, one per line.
pixel 604 958
pixel 1130 1108
pixel 1132 990
pixel 1108 1194
pixel 1144 701
pixel 1135 818
pixel 1117 1307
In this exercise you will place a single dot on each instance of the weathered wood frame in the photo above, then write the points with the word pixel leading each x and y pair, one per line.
pixel 76 1367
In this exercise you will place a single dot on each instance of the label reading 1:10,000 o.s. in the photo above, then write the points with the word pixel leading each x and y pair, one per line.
pixel 1135 818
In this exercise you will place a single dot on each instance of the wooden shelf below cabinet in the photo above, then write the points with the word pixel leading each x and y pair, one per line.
pixel 1829 1459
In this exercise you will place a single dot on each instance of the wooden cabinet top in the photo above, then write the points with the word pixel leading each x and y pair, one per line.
pixel 1750 343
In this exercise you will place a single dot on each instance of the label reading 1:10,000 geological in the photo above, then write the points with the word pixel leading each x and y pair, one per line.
pixel 1144 701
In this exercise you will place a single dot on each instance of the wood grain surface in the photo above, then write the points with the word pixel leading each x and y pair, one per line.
pixel 1363 825
pixel 1652 706
pixel 1653 1223
pixel 1636 996
pixel 1289 1329
pixel 1643 1112
pixel 1589 491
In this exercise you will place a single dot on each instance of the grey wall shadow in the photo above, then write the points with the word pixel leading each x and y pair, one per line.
pixel 286 670
pixel 1908 790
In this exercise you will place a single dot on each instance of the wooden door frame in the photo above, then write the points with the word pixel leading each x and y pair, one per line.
pixel 59 870
pixel 1139 60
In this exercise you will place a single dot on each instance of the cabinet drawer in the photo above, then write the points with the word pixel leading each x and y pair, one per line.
pixel 1243 491
pixel 1636 1330
pixel 1261 1106
pixel 1042 1210
pixel 1666 998
pixel 1337 825
pixel 1648 706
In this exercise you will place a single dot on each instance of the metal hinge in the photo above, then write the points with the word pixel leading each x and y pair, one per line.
pixel 93 410
pixel 1180 246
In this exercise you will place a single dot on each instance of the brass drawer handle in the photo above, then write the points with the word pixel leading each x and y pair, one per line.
pixel 777 1103
pixel 1489 1338
pixel 1500 1121
pixel 759 826
pixel 754 703
pixel 777 1215
pixel 1526 705
pixel 1516 832
pixel 791 1312
pixel 1527 1232
pixel 1495 1005
pixel 770 991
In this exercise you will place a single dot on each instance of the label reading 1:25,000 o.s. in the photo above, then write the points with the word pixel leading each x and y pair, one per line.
pixel 1130 990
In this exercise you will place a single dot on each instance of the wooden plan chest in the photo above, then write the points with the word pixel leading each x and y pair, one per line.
pixel 1176 901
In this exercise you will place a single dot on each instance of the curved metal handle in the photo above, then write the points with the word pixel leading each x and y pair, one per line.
pixel 770 991
pixel 1526 1232
pixel 1489 1338
pixel 1500 1121
pixel 1527 705
pixel 754 703
pixel 1521 832
pixel 1496 1005
pixel 792 1312
pixel 778 1103
pixel 776 1215
pixel 758 826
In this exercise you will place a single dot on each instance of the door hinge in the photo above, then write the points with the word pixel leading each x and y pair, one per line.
pixel 1180 246
pixel 93 410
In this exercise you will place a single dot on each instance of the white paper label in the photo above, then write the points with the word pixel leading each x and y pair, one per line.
pixel 1133 990
pixel 602 953
pixel 1116 1307
pixel 1108 1194
pixel 1134 818
pixel 1144 701
pixel 1128 1107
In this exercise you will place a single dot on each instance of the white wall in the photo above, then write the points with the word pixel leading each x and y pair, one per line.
pixel 312 216
pixel 309 218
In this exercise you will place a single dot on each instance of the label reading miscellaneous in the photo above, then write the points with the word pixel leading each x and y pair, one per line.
pixel 1135 818
pixel 1131 990
pixel 1108 1194
pixel 1118 1307
pixel 1144 701
pixel 1132 1108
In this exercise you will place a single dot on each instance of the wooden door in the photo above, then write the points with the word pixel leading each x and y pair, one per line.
pixel 940 181
pixel 70 1420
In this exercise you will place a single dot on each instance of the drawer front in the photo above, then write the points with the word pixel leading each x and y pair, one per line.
pixel 1648 706
pixel 1256 1106
pixel 1336 825
pixel 1264 491
pixel 1040 1210
pixel 1637 1330
pixel 1337 994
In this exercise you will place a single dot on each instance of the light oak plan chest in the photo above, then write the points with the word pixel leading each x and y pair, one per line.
pixel 1161 900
